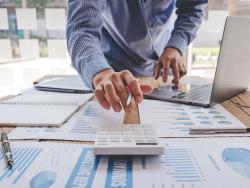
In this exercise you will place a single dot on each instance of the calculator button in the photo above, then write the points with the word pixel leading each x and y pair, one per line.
pixel 138 132
pixel 126 137
pixel 101 144
pixel 126 140
pixel 150 136
pixel 151 140
pixel 139 140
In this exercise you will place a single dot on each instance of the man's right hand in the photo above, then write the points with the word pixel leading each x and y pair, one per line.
pixel 112 88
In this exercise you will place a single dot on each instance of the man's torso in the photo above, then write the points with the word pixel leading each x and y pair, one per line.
pixel 136 32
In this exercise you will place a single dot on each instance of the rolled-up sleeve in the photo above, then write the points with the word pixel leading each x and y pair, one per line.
pixel 190 14
pixel 84 38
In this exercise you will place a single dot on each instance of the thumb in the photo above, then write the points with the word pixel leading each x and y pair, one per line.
pixel 146 89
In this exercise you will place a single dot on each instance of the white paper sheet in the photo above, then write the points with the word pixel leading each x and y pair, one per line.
pixel 175 120
pixel 38 165
pixel 189 163
pixel 80 127
pixel 197 162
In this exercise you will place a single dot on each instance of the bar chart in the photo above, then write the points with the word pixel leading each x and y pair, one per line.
pixel 181 165
pixel 23 158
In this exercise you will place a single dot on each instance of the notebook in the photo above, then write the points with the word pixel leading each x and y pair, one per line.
pixel 52 97
pixel 40 109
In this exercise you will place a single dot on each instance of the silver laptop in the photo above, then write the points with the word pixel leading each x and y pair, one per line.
pixel 232 75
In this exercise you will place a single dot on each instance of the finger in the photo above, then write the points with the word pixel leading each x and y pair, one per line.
pixel 146 89
pixel 157 71
pixel 166 66
pixel 112 96
pixel 120 88
pixel 99 93
pixel 133 85
pixel 175 69
pixel 182 69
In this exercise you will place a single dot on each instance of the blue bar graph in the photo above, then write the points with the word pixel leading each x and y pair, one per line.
pixel 181 165
pixel 23 158
pixel 81 126
pixel 91 111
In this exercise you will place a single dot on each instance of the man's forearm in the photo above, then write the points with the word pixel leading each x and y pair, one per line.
pixel 190 14
pixel 83 38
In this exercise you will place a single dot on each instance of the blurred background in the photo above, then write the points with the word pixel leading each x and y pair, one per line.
pixel 32 40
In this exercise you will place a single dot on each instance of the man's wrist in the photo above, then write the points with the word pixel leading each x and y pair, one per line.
pixel 173 48
pixel 99 76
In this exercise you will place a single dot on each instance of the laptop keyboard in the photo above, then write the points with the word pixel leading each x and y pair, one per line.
pixel 201 94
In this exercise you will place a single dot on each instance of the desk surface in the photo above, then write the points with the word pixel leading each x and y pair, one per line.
pixel 238 105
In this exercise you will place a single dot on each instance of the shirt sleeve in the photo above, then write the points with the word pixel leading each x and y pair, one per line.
pixel 190 14
pixel 84 38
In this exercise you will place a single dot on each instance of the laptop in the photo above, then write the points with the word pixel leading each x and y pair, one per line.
pixel 232 75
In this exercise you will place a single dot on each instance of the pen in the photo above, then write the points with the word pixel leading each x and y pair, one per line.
pixel 216 131
pixel 7 150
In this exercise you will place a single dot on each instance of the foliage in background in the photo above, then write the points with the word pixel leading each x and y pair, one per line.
pixel 205 56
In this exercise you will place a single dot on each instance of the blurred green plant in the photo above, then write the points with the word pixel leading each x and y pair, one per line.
pixel 205 56
pixel 39 3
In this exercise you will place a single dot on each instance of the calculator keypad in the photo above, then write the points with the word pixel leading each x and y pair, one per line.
pixel 129 133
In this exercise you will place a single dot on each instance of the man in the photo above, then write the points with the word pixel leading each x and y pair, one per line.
pixel 112 41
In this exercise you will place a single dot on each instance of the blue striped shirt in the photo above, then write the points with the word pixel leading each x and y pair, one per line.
pixel 128 34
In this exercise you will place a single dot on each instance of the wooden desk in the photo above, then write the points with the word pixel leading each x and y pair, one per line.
pixel 238 106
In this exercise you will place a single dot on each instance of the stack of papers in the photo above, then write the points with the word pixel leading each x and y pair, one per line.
pixel 80 127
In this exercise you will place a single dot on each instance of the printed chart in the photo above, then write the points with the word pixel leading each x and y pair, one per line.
pixel 175 120
pixel 80 127
pixel 187 163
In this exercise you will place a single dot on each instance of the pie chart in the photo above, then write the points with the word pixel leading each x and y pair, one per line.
pixel 238 159
pixel 43 179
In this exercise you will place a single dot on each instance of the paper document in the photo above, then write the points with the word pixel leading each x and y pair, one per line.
pixel 80 127
pixel 186 163
pixel 175 120
pixel 72 84
pixel 200 162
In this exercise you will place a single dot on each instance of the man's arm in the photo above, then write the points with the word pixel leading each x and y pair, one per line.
pixel 84 37
pixel 84 45
pixel 190 14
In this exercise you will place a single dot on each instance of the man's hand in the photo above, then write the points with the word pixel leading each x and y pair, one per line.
pixel 170 58
pixel 112 88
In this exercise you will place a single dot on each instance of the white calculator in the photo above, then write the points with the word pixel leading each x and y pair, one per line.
pixel 127 139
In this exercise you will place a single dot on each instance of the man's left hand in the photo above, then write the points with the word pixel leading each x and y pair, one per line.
pixel 170 58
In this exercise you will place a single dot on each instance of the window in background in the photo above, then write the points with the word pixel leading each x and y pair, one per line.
pixel 31 19
pixel 33 31
pixel 28 29
pixel 205 48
